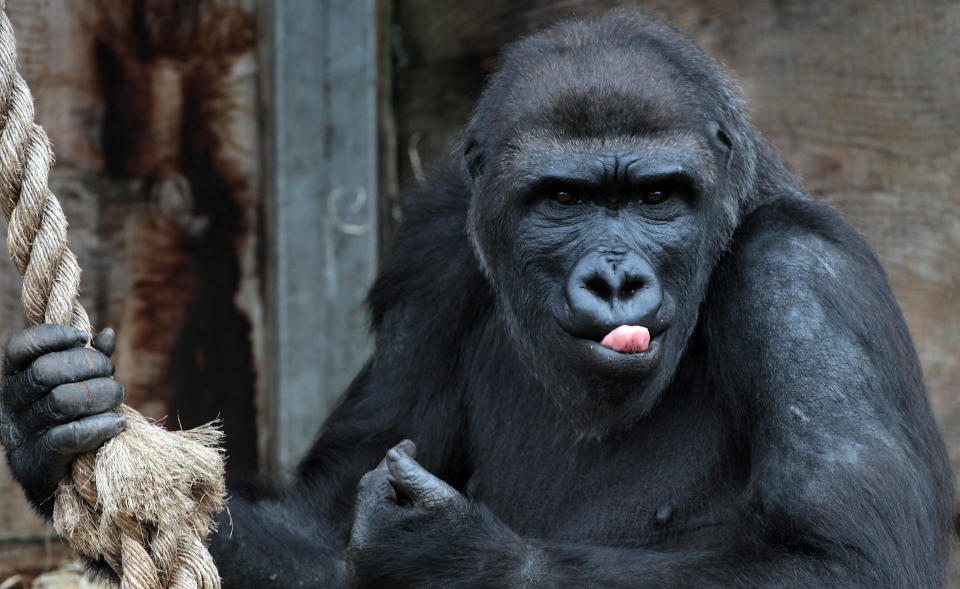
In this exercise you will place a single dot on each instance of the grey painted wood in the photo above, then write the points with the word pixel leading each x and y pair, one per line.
pixel 321 184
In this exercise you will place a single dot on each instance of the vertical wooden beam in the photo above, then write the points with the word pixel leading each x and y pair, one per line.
pixel 320 127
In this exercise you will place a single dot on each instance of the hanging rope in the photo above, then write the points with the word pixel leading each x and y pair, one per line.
pixel 144 502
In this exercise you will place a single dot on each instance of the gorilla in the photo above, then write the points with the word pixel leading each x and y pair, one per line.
pixel 617 345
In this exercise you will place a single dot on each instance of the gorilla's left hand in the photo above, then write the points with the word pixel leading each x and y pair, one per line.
pixel 402 514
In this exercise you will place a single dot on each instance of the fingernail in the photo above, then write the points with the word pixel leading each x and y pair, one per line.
pixel 393 454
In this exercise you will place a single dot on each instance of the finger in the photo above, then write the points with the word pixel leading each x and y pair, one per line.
pixel 405 446
pixel 415 482
pixel 373 493
pixel 21 390
pixel 375 487
pixel 33 342
pixel 105 342
pixel 57 368
pixel 79 399
pixel 51 370
pixel 85 434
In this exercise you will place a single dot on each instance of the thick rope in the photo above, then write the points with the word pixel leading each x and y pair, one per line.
pixel 144 502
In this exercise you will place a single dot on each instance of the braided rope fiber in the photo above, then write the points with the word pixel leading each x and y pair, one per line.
pixel 144 502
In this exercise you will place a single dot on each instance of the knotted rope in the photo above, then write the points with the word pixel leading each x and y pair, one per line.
pixel 144 502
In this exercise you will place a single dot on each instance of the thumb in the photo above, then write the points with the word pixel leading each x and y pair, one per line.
pixel 105 341
pixel 415 482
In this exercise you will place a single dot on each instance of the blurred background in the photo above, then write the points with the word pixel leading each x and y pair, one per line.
pixel 233 171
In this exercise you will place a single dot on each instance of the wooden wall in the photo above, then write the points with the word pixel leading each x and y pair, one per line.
pixel 320 118
pixel 152 110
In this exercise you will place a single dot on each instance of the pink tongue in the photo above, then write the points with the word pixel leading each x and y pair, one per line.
pixel 628 339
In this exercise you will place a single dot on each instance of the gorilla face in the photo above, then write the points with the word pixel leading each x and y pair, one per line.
pixel 613 234
pixel 603 202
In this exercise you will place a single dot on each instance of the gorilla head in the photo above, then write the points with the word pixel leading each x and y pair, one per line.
pixel 609 167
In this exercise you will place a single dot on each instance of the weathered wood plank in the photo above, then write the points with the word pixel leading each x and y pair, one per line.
pixel 152 114
pixel 29 558
pixel 322 209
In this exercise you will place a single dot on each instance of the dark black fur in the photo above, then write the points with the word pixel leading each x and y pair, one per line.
pixel 781 439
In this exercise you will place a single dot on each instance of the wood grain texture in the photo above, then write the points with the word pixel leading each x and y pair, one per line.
pixel 151 107
pixel 321 227
pixel 29 558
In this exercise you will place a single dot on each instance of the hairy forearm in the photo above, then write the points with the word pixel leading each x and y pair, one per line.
pixel 277 542
pixel 556 565
pixel 489 554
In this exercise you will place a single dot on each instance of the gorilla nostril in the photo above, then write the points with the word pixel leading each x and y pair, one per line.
pixel 599 287
pixel 630 287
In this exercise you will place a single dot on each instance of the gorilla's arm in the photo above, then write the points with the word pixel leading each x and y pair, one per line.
pixel 414 530
pixel 276 536
pixel 287 536
pixel 411 388
pixel 846 486
pixel 848 470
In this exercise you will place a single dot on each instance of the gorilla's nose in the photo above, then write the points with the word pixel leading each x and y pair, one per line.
pixel 605 291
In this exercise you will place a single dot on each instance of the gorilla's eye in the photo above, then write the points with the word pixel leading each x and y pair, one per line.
pixel 654 197
pixel 562 197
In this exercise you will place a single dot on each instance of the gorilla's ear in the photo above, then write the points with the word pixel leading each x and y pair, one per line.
pixel 720 136
pixel 473 159
pixel 722 140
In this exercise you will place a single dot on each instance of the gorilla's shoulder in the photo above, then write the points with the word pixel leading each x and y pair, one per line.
pixel 432 269
pixel 798 241
pixel 798 271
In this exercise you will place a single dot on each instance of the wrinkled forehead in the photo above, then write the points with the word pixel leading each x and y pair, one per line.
pixel 586 92
pixel 533 154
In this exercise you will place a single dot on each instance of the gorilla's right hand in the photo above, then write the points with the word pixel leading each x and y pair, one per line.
pixel 55 404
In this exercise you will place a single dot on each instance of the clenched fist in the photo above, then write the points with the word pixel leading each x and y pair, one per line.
pixel 56 403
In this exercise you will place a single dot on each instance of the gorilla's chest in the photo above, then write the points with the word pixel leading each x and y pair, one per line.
pixel 673 481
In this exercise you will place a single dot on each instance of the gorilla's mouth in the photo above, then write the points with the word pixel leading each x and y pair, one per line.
pixel 631 355
pixel 600 360
pixel 627 339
